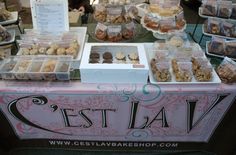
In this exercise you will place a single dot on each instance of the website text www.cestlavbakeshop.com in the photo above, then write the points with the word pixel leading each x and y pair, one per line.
pixel 112 144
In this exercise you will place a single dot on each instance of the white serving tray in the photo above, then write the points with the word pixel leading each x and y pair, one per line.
pixel 81 31
pixel 13 34
pixel 14 18
pixel 216 55
pixel 204 31
pixel 114 72
pixel 150 55
pixel 214 17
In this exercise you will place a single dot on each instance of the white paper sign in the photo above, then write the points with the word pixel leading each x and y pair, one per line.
pixel 50 15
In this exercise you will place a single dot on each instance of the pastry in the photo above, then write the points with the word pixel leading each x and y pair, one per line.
pixel 33 51
pixel 61 51
pixel 107 56
pixel 49 66
pixel 176 41
pixel 162 73
pixel 93 61
pixel 25 51
pixel 128 34
pixel 64 68
pixel 153 25
pixel 228 29
pixel 120 56
pixel 214 27
pixel 115 38
pixel 51 51
pixel 216 47
pixel 230 49
pixel 209 10
pixel 180 24
pixel 203 74
pixel 133 56
pixel 42 50
pixel 71 51
pixel 100 16
pixel 74 44
pixel 101 35
pixel 107 61
pixel 94 55
pixel 22 66
pixel 227 72
pixel 224 12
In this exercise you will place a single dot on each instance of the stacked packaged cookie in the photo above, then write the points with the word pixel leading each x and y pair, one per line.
pixel 179 61
pixel 221 25
pixel 115 21
pixel 164 18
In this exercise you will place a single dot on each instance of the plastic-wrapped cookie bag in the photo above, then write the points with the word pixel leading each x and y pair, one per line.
pixel 114 33
pixel 100 13
pixel 128 31
pixel 227 70
pixel 227 29
pixel 224 9
pixel 114 15
pixel 209 7
pixel 217 46
pixel 213 26
pixel 101 31
pixel 131 12
pixel 230 49
pixel 184 73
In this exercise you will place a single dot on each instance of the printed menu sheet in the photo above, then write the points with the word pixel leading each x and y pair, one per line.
pixel 50 15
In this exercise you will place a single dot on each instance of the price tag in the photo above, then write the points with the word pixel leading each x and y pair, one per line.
pixel 50 15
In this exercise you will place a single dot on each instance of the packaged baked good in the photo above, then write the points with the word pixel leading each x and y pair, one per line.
pixel 22 68
pixel 167 25
pixel 204 73
pixel 4 15
pixel 162 73
pixel 227 29
pixel 197 63
pixel 101 31
pixel 114 15
pixel 217 46
pixel 100 13
pixel 131 12
pixel 114 33
pixel 128 31
pixel 233 13
pixel 230 49
pixel 133 57
pixel 179 59
pixel 227 70
pixel 34 70
pixel 184 73
pixel 7 68
pixel 151 22
pixel 63 70
pixel 209 7
pixel 213 26
pixel 180 22
pixel 224 9
pixel 4 34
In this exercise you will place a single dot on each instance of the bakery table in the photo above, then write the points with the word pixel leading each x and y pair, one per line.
pixel 118 116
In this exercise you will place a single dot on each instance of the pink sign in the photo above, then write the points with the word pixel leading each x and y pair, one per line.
pixel 144 113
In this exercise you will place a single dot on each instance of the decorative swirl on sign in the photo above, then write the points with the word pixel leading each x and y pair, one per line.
pixel 138 134
pixel 39 100
pixel 150 93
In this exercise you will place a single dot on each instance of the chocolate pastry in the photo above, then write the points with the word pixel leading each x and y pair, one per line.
pixel 93 61
pixel 228 29
pixel 107 55
pixel 224 12
pixel 227 73
pixel 107 61
pixel 209 10
pixel 94 55
pixel 230 49
pixel 233 13
pixel 216 47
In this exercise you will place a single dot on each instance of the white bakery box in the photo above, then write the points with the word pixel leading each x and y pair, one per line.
pixel 101 67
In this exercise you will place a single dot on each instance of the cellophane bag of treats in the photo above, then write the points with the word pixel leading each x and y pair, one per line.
pixel 128 31
pixel 224 9
pixel 227 29
pixel 233 13
pixel 100 13
pixel 230 49
pixel 209 7
pixel 114 15
pixel 114 33
pixel 214 26
pixel 217 46
pixel 101 31
pixel 227 70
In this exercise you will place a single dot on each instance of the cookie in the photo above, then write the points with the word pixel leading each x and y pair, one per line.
pixel 120 56
pixel 133 56
pixel 107 55
pixel 93 61
pixel 94 55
